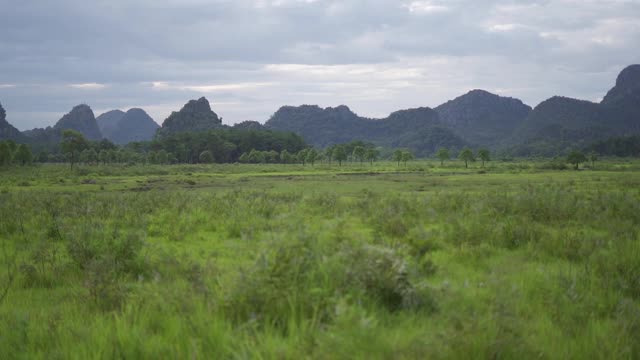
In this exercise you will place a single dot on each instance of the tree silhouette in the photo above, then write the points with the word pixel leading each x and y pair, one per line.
pixel 576 157
pixel 593 157
pixel 23 155
pixel 484 155
pixel 73 143
pixel 466 155
pixel 397 156
pixel 372 155
pixel 206 157
pixel 406 156
pixel 444 155
pixel 339 154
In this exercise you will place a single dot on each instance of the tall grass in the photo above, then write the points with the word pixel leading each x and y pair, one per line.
pixel 411 267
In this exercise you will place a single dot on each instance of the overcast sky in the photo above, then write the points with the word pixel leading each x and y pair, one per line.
pixel 249 57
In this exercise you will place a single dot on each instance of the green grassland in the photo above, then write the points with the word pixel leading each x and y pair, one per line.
pixel 512 260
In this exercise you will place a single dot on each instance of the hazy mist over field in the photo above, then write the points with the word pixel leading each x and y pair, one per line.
pixel 251 57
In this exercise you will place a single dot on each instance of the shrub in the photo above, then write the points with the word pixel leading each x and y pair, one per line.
pixel 107 260
pixel 383 275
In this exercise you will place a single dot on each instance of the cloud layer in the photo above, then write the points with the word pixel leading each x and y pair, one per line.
pixel 250 57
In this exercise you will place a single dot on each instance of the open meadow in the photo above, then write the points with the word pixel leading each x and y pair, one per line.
pixel 513 260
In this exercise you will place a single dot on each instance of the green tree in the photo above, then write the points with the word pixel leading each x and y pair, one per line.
pixel 397 156
pixel 84 156
pixel 359 153
pixel 328 154
pixel 112 156
pixel 162 157
pixel 466 155
pixel 286 157
pixel 312 156
pixel 5 154
pixel 244 158
pixel 576 157
pixel 103 157
pixel 73 143
pixel 272 156
pixel 93 156
pixel 122 156
pixel 406 156
pixel 206 157
pixel 593 157
pixel 43 157
pixel 23 155
pixel 13 147
pixel 484 155
pixel 372 155
pixel 339 154
pixel 302 156
pixel 106 144
pixel 152 157
pixel 256 157
pixel 444 155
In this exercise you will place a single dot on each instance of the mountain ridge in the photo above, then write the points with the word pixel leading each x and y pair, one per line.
pixel 195 115
pixel 123 127
pixel 8 131
pixel 81 119
pixel 334 125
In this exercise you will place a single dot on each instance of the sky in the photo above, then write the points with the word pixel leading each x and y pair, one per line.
pixel 250 57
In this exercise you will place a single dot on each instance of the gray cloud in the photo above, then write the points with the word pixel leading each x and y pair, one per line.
pixel 250 57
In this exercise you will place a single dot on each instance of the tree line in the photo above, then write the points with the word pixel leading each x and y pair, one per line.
pixel 466 154
pixel 253 146
pixel 12 153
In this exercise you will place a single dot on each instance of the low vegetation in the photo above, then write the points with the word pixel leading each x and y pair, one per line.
pixel 427 260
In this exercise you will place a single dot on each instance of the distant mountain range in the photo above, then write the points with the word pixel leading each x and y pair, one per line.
pixel 480 119
pixel 477 119
pixel 418 129
pixel 561 123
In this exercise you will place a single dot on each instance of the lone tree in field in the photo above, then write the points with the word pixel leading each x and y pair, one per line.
pixel 466 155
pixel 206 157
pixel 444 155
pixel 339 154
pixel 593 157
pixel 372 155
pixel 576 157
pixel 72 144
pixel 23 155
pixel 397 156
pixel 484 155
pixel 406 156
pixel 359 153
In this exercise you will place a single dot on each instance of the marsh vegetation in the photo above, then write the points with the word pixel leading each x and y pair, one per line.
pixel 513 259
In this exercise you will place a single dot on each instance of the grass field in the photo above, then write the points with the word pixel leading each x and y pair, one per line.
pixel 290 262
